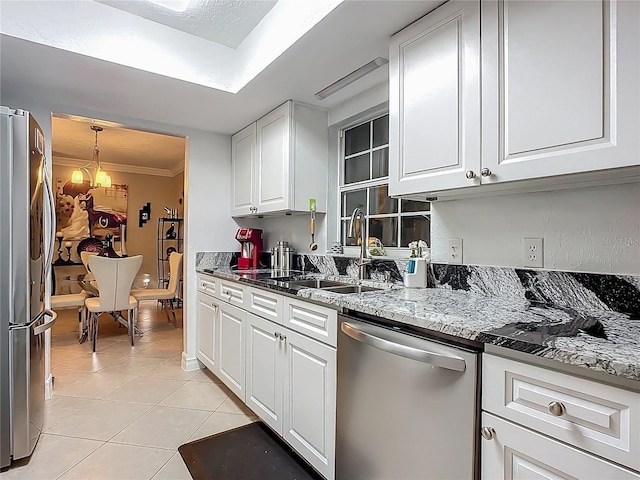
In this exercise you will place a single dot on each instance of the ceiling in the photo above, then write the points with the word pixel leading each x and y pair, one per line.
pixel 227 22
pixel 120 148
pixel 353 33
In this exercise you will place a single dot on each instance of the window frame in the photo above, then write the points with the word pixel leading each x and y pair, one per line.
pixel 366 185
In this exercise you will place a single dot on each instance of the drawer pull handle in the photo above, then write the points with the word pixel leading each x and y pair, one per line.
pixel 488 433
pixel 557 409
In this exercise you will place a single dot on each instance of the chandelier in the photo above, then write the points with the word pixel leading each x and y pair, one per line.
pixel 100 177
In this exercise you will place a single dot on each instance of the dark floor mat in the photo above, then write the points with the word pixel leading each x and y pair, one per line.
pixel 249 452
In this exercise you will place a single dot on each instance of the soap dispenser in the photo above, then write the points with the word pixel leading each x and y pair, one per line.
pixel 416 274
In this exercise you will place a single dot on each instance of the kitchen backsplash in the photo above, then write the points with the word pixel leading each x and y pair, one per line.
pixel 584 291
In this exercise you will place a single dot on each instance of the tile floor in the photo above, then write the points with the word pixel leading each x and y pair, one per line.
pixel 122 412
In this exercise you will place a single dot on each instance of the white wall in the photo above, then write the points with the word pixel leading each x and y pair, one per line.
pixel 208 221
pixel 593 229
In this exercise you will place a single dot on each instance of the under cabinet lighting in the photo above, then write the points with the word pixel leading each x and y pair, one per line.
pixel 175 5
pixel 352 77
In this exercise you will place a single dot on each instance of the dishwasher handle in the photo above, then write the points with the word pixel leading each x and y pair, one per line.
pixel 450 362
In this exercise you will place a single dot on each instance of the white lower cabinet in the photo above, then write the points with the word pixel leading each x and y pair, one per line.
pixel 207 328
pixel 231 340
pixel 517 453
pixel 291 386
pixel 540 423
pixel 310 400
pixel 264 370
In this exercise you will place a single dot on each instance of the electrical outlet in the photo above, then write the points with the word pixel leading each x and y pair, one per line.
pixel 455 251
pixel 533 253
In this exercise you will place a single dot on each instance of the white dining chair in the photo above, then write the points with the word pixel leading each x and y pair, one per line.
pixel 165 295
pixel 114 277
pixel 72 300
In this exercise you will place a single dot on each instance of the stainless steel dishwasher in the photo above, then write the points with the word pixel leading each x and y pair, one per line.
pixel 406 407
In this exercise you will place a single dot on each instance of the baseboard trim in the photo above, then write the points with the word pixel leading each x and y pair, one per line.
pixel 48 387
pixel 190 364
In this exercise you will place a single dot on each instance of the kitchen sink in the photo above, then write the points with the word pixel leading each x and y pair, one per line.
pixel 351 289
pixel 317 283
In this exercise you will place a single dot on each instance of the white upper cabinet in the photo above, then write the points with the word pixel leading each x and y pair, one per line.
pixel 243 155
pixel 434 101
pixel 280 162
pixel 560 87
pixel 274 159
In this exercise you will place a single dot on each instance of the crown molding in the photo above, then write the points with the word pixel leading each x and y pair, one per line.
pixel 177 169
pixel 118 167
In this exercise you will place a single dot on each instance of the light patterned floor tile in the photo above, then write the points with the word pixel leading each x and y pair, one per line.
pixel 100 420
pixel 221 422
pixel 96 386
pixel 53 456
pixel 91 362
pixel 205 376
pixel 171 370
pixel 120 462
pixel 58 408
pixel 174 469
pixel 62 378
pixel 133 365
pixel 197 396
pixel 162 427
pixel 234 405
pixel 146 390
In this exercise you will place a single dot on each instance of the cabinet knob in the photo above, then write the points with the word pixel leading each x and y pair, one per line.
pixel 557 409
pixel 488 433
pixel 470 174
pixel 276 334
pixel 283 337
pixel 485 172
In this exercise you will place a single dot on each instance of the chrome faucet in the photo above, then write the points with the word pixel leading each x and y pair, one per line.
pixel 364 261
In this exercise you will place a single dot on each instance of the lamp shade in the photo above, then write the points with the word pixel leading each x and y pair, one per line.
pixel 101 178
pixel 77 177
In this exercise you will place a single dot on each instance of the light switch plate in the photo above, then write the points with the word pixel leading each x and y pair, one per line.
pixel 533 253
pixel 454 253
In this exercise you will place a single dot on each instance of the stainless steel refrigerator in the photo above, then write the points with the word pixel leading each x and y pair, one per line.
pixel 24 189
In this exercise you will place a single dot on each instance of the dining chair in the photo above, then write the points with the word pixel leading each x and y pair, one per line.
pixel 165 295
pixel 72 300
pixel 114 277
pixel 84 258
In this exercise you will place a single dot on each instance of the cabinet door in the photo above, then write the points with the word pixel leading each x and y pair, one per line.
pixel 231 347
pixel 434 101
pixel 243 161
pixel 310 400
pixel 265 359
pixel 516 453
pixel 559 87
pixel 273 160
pixel 207 322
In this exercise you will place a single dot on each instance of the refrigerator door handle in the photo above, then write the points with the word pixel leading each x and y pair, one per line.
pixel 378 341
pixel 46 325
pixel 52 213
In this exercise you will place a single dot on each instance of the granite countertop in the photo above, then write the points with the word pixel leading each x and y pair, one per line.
pixel 600 340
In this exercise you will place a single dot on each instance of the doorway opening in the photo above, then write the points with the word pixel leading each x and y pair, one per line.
pixel 137 211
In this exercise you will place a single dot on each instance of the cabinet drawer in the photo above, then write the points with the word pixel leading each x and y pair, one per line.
pixel 311 320
pixel 517 453
pixel 264 304
pixel 598 418
pixel 207 285
pixel 231 292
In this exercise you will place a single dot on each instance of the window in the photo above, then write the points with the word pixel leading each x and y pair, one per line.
pixel 364 184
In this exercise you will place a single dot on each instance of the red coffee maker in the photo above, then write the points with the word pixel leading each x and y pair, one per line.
pixel 251 241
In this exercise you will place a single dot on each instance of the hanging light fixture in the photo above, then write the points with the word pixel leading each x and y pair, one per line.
pixel 100 178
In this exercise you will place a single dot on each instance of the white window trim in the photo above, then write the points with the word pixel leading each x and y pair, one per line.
pixel 390 252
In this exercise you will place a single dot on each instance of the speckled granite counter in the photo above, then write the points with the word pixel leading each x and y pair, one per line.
pixel 593 336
